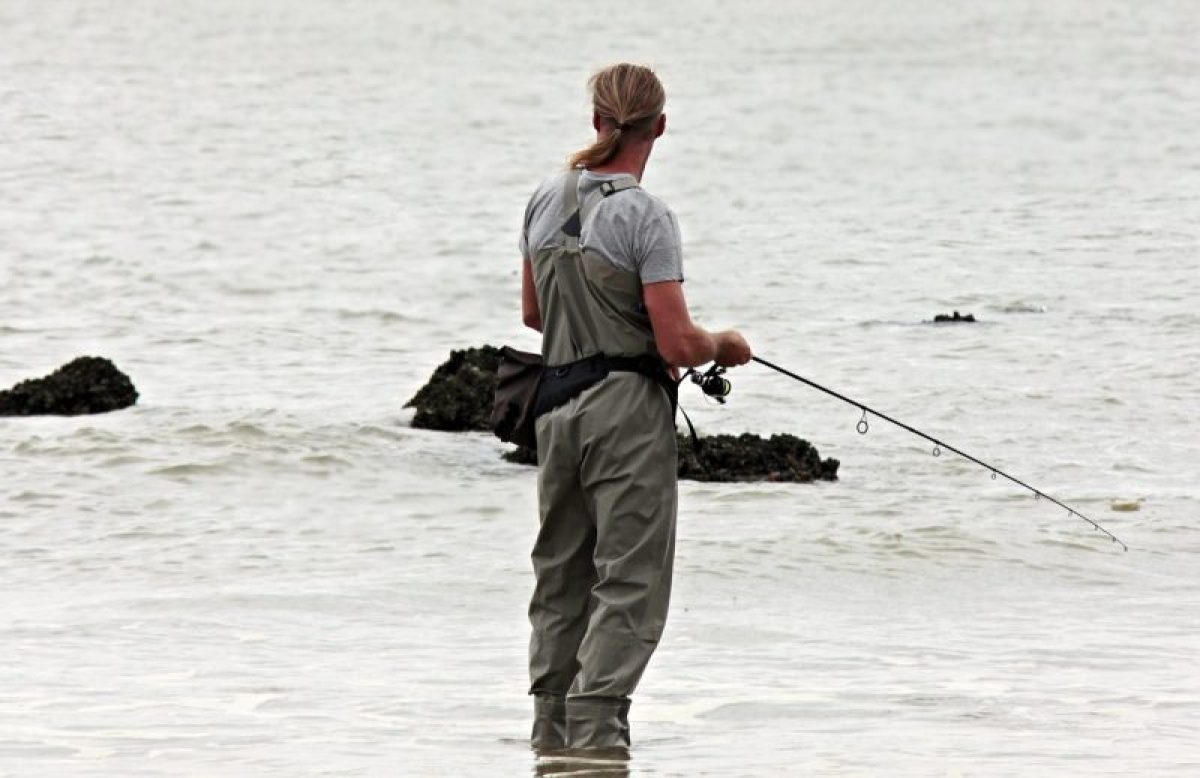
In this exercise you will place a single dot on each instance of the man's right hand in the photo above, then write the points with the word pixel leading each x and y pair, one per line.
pixel 732 349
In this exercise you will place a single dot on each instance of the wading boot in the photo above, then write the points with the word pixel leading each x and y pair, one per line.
pixel 601 725
pixel 549 723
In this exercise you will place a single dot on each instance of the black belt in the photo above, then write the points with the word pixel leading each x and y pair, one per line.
pixel 562 383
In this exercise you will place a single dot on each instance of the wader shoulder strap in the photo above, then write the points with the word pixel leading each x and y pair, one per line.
pixel 573 213
pixel 570 210
pixel 568 289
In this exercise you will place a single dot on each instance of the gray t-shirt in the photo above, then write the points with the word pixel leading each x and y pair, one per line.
pixel 632 229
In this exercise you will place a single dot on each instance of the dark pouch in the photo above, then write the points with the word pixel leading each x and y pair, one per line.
pixel 519 375
pixel 563 383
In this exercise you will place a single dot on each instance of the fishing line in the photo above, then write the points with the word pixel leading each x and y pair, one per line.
pixel 864 425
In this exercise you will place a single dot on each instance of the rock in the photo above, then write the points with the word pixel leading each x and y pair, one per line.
pixel 957 317
pixel 83 385
pixel 521 455
pixel 458 397
pixel 748 457
pixel 744 457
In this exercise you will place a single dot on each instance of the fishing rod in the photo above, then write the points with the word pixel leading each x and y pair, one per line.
pixel 714 384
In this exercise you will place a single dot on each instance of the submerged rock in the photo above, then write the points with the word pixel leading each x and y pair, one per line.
pixel 458 397
pixel 956 317
pixel 744 457
pixel 748 457
pixel 83 385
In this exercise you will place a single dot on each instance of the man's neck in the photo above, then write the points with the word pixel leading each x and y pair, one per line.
pixel 630 159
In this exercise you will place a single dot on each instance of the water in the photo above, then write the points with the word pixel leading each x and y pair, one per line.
pixel 278 218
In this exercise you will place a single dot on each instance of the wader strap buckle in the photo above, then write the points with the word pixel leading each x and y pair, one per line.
pixel 572 213
pixel 618 185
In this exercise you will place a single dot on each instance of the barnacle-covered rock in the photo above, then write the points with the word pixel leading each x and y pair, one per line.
pixel 459 394
pixel 749 457
pixel 745 457
pixel 83 385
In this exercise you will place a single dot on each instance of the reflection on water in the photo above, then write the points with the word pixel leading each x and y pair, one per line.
pixel 599 762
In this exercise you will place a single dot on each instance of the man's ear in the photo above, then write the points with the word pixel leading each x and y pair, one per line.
pixel 596 121
pixel 660 126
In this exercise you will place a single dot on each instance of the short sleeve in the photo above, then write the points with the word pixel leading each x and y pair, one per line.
pixel 523 242
pixel 661 250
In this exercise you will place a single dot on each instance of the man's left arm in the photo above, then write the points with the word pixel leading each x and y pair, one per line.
pixel 530 313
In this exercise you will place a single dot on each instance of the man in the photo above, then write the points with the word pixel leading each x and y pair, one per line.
pixel 602 281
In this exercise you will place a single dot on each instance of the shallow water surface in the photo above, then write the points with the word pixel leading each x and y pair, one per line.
pixel 279 218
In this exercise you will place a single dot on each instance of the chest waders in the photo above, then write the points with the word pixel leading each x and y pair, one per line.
pixel 606 492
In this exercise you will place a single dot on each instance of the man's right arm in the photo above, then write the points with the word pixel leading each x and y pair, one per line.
pixel 682 343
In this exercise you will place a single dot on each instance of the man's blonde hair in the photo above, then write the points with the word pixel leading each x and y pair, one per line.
pixel 631 98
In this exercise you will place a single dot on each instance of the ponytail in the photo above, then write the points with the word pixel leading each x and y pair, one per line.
pixel 628 98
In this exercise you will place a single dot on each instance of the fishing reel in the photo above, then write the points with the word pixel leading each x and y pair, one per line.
pixel 713 383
